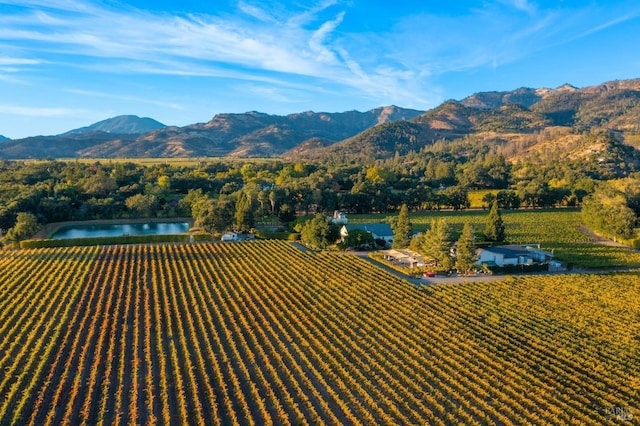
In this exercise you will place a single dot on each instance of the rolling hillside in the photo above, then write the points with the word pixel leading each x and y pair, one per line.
pixel 520 122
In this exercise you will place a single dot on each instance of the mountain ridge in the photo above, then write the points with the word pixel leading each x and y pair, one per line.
pixel 248 134
pixel 501 118
pixel 507 120
pixel 121 124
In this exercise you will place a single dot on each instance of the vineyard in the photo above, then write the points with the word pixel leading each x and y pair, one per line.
pixel 262 333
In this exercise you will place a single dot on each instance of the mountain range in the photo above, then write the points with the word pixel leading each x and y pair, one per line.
pixel 523 122
pixel 252 134
pixel 3 138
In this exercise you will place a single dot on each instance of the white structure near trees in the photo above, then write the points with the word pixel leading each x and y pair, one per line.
pixel 512 255
pixel 339 218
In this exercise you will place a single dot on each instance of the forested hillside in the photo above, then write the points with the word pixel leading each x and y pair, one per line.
pixel 519 124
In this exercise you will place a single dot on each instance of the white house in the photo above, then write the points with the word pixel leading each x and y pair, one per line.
pixel 379 231
pixel 234 236
pixel 339 218
pixel 512 255
pixel 229 236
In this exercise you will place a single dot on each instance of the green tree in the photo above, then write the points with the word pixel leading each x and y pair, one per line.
pixel 26 226
pixel 436 244
pixel 215 216
pixel 286 213
pixel 318 233
pixel 606 211
pixel 142 205
pixel 358 238
pixel 466 251
pixel 455 197
pixel 244 213
pixel 494 229
pixel 191 203
pixel 402 229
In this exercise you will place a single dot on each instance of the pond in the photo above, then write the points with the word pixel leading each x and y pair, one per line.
pixel 116 230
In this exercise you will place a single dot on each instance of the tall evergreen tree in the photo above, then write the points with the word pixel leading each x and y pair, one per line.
pixel 402 229
pixel 437 244
pixel 466 251
pixel 244 217
pixel 494 229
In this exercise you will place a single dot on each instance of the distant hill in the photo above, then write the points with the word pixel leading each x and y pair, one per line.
pixel 522 123
pixel 519 122
pixel 4 138
pixel 250 134
pixel 123 124
pixel 53 146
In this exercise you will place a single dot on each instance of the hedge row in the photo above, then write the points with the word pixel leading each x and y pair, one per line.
pixel 123 239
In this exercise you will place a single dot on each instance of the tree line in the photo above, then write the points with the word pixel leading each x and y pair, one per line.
pixel 268 190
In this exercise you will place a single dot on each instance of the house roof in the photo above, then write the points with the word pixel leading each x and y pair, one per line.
pixel 508 252
pixel 379 229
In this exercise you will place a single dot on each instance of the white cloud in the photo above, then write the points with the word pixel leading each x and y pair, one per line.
pixel 318 39
pixel 137 40
pixel 524 5
pixel 18 61
pixel 39 111
pixel 267 44
pixel 610 23
pixel 256 12
pixel 141 100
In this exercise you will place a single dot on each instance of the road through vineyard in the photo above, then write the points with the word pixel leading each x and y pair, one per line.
pixel 261 333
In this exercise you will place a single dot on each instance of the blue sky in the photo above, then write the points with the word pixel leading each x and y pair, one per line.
pixel 69 63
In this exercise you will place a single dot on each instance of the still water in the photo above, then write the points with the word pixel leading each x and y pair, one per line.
pixel 87 231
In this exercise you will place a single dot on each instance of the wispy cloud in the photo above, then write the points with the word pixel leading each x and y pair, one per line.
pixel 39 111
pixel 303 42
pixel 609 23
pixel 133 99
pixel 18 61
pixel 523 5
pixel 269 44
pixel 317 42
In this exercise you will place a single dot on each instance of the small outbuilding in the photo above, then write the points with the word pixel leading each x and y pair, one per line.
pixel 405 258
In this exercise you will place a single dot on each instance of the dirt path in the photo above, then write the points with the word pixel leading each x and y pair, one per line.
pixel 599 239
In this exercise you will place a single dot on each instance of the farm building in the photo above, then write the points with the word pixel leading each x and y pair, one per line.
pixel 406 258
pixel 512 255
pixel 380 231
